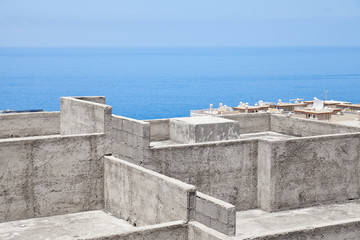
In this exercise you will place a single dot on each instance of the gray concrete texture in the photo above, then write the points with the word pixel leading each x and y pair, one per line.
pixel 176 230
pixel 338 221
pixel 309 171
pixel 144 197
pixel 159 129
pixel 29 124
pixel 84 225
pixel 91 225
pixel 83 116
pixel 251 123
pixel 95 99
pixel 198 231
pixel 130 139
pixel 307 127
pixel 43 176
pixel 203 129
pixel 225 170
pixel 215 214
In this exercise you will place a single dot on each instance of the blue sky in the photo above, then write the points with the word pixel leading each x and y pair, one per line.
pixel 185 23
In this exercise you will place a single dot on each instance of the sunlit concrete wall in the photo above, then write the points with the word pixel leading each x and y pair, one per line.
pixel 308 171
pixel 144 197
pixel 43 176
pixel 225 170
pixel 29 124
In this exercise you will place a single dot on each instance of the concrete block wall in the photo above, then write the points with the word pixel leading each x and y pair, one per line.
pixel 251 123
pixel 29 124
pixel 306 127
pixel 130 139
pixel 309 171
pixel 159 129
pixel 79 116
pixel 144 197
pixel 216 214
pixel 44 176
pixel 224 170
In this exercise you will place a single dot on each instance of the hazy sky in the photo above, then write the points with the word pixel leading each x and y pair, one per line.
pixel 169 23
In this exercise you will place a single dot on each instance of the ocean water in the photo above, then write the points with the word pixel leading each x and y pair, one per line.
pixel 150 83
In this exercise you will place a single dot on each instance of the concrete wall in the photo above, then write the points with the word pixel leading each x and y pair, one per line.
pixel 225 170
pixel 83 116
pixel 199 231
pixel 95 99
pixel 130 139
pixel 145 197
pixel 216 214
pixel 177 230
pixel 43 176
pixel 251 123
pixel 309 171
pixel 203 129
pixel 29 124
pixel 346 230
pixel 306 127
pixel 159 129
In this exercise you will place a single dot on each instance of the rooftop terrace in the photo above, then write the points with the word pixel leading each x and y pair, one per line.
pixel 84 173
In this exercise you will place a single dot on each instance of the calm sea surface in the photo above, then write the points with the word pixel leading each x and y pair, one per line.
pixel 148 83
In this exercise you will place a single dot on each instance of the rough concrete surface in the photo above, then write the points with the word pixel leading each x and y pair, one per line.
pixel 159 129
pixel 251 123
pixel 82 116
pixel 322 222
pixel 84 225
pixel 130 139
pixel 225 170
pixel 275 163
pixel 145 197
pixel 312 171
pixel 215 214
pixel 203 129
pixel 176 230
pixel 29 124
pixel 43 176
pixel 199 231
pixel 307 127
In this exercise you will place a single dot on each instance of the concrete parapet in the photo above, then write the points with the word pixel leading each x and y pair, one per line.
pixel 203 129
pixel 159 129
pixel 50 175
pixel 145 197
pixel 95 99
pixel 308 171
pixel 226 170
pixel 130 139
pixel 29 124
pixel 251 123
pixel 79 116
pixel 306 127
pixel 215 214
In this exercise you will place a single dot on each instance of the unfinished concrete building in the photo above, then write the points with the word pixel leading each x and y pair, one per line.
pixel 83 173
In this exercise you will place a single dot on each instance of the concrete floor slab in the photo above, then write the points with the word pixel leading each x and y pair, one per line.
pixel 257 223
pixel 81 225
